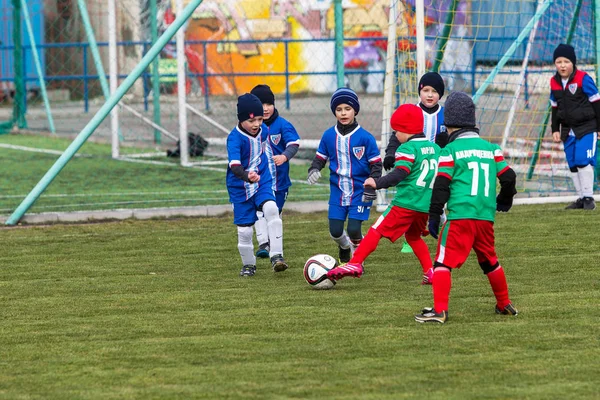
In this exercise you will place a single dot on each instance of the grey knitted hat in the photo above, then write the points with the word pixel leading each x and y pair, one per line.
pixel 459 111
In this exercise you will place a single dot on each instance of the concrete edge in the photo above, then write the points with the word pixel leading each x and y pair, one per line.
pixel 207 211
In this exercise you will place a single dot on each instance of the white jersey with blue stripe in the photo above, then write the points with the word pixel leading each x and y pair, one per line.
pixel 350 157
pixel 278 136
pixel 433 123
pixel 251 153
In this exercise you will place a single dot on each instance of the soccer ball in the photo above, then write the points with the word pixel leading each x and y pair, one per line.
pixel 315 271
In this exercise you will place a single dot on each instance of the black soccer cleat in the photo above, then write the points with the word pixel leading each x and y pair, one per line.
pixel 278 263
pixel 576 205
pixel 263 250
pixel 429 315
pixel 507 310
pixel 345 255
pixel 589 203
pixel 248 270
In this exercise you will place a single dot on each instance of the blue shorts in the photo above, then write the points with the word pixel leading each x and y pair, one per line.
pixel 280 198
pixel 581 152
pixel 360 213
pixel 245 213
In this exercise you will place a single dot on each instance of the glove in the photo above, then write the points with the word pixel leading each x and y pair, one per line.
pixel 369 195
pixel 502 205
pixel 313 176
pixel 388 162
pixel 434 225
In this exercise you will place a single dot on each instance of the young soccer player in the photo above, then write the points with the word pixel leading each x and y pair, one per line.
pixel 353 157
pixel 431 90
pixel 466 181
pixel 416 163
pixel 283 142
pixel 249 184
pixel 576 121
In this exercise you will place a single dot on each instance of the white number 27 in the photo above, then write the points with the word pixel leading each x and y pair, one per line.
pixel 426 166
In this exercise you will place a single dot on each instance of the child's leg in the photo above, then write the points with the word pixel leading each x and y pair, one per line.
pixel 585 160
pixel 441 285
pixel 367 246
pixel 416 242
pixel 262 234
pixel 355 233
pixel 245 246
pixel 570 155
pixel 274 227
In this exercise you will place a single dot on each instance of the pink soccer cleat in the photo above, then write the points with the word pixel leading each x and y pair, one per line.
pixel 348 269
pixel 427 277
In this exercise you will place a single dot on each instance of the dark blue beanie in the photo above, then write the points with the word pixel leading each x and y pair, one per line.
pixel 344 96
pixel 264 93
pixel 248 107
pixel 566 51
pixel 434 80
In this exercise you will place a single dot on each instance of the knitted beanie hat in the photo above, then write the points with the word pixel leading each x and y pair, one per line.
pixel 264 93
pixel 459 111
pixel 566 51
pixel 248 107
pixel 408 118
pixel 344 96
pixel 434 80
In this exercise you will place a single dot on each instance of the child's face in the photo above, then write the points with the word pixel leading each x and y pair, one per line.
pixel 402 137
pixel 429 96
pixel 252 125
pixel 268 110
pixel 345 114
pixel 564 67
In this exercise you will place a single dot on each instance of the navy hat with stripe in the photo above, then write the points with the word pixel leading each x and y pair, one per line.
pixel 248 107
pixel 344 96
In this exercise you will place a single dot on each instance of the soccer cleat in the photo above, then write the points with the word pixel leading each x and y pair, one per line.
pixel 406 248
pixel 429 315
pixel 576 205
pixel 248 270
pixel 507 310
pixel 278 263
pixel 345 255
pixel 589 203
pixel 263 250
pixel 350 269
pixel 427 277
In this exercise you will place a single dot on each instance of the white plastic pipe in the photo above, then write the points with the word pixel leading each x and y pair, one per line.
pixel 420 21
pixel 181 75
pixel 112 72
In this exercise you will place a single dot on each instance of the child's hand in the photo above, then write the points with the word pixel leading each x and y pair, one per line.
pixel 280 159
pixel 370 182
pixel 253 176
pixel 556 137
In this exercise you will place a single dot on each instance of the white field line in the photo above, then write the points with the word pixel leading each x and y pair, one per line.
pixel 35 150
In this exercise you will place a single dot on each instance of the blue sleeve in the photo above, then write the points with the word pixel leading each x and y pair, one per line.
pixel 373 153
pixel 590 89
pixel 322 149
pixel 289 134
pixel 234 155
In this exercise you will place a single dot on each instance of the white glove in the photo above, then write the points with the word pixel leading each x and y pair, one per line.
pixel 313 176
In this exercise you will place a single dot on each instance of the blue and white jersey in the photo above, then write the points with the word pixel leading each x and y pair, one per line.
pixel 278 136
pixel 433 124
pixel 249 152
pixel 349 159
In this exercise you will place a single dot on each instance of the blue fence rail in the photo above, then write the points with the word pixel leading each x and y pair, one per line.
pixel 86 76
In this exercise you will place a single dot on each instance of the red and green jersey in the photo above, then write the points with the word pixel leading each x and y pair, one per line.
pixel 472 164
pixel 418 157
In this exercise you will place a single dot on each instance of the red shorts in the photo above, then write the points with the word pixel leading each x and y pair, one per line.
pixel 399 221
pixel 458 237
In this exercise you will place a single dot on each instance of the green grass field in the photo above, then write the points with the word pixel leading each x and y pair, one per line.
pixel 94 181
pixel 156 310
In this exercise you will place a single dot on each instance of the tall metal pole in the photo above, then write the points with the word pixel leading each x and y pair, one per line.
pixel 102 113
pixel 20 88
pixel 155 71
pixel 113 74
pixel 184 154
pixel 339 42
pixel 439 55
pixel 420 22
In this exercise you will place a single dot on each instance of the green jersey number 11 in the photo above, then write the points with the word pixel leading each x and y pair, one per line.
pixel 475 167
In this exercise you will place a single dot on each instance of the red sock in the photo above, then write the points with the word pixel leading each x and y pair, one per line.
pixel 422 252
pixel 367 246
pixel 499 286
pixel 442 283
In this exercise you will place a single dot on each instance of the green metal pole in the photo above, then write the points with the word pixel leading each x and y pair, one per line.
pixel 89 31
pixel 339 42
pixel 97 119
pixel 439 55
pixel 155 72
pixel 511 50
pixel 20 95
pixel 544 126
pixel 38 66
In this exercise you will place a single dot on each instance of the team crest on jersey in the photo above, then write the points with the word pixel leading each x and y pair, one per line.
pixel 442 128
pixel 359 151
pixel 572 88
pixel 275 139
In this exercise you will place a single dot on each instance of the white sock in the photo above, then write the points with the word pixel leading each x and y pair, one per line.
pixel 245 246
pixel 577 183
pixel 260 226
pixel 343 241
pixel 586 179
pixel 354 243
pixel 274 228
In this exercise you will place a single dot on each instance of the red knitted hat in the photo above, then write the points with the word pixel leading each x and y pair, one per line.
pixel 408 118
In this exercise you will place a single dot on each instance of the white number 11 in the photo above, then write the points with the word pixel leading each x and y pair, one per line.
pixel 473 165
